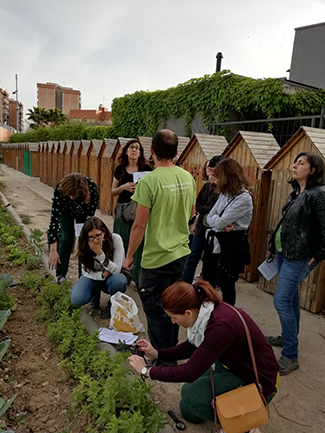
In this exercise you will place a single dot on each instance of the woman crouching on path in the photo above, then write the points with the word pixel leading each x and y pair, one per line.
pixel 215 335
pixel 101 255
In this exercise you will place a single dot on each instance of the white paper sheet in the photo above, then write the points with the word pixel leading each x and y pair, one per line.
pixel 111 336
pixel 138 175
pixel 268 269
pixel 77 229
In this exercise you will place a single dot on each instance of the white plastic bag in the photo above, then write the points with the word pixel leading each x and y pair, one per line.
pixel 124 314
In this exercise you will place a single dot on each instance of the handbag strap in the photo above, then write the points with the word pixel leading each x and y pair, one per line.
pixel 251 350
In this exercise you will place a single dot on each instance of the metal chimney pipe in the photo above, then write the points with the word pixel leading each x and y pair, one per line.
pixel 219 56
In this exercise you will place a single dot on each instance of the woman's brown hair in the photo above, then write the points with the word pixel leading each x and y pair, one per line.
pixel 182 296
pixel 75 185
pixel 231 178
pixel 85 254
pixel 123 159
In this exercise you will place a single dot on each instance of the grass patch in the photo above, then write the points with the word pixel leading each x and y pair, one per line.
pixel 25 219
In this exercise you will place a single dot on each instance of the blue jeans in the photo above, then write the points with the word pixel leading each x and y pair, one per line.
pixel 85 287
pixel 197 248
pixel 286 300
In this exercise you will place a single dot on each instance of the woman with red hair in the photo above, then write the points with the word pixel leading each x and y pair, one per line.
pixel 215 336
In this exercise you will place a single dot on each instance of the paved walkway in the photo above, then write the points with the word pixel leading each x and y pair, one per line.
pixel 299 406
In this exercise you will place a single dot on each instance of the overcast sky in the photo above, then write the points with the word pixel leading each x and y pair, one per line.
pixel 107 48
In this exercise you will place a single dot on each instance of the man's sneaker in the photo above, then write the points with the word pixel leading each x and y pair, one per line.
pixel 275 341
pixel 286 365
pixel 106 313
pixel 60 279
pixel 198 277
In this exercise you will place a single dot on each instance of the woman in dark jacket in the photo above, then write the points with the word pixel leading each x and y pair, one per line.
pixel 75 199
pixel 299 244
pixel 205 201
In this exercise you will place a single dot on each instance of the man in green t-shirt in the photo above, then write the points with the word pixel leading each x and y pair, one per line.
pixel 166 201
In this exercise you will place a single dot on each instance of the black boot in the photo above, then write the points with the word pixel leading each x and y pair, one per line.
pixel 95 300
pixel 106 313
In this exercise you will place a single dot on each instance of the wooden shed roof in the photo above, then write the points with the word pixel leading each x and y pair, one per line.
pixel 122 140
pixel 146 144
pixel 110 145
pixel 211 145
pixel 62 145
pixel 97 145
pixel 316 136
pixel 33 147
pixel 262 145
pixel 53 145
pixel 76 144
pixel 182 143
pixel 69 144
pixel 85 145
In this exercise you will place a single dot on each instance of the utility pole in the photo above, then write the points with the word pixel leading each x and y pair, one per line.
pixel 17 107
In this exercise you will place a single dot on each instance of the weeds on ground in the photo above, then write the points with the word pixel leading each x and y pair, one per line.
pixel 25 219
pixel 105 393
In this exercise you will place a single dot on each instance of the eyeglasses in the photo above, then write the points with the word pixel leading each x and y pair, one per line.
pixel 132 146
pixel 93 238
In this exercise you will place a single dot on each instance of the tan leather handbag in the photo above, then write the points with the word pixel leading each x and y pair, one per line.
pixel 243 408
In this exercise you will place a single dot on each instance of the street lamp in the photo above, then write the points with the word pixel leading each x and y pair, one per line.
pixel 17 107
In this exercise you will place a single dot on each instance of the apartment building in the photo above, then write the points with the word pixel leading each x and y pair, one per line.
pixel 52 95
pixel 98 117
pixel 12 115
pixel 4 107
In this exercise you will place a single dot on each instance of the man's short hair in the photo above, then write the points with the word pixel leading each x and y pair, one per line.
pixel 164 144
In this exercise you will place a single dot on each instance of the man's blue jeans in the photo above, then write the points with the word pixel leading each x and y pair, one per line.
pixel 85 287
pixel 286 300
pixel 197 248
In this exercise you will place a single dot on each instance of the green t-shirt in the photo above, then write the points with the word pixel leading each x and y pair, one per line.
pixel 170 193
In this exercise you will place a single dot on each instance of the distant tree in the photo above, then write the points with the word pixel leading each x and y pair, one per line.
pixel 38 116
pixel 55 117
pixel 42 117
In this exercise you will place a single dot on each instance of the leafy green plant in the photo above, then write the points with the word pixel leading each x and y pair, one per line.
pixel 5 404
pixel 7 302
pixel 105 392
pixel 36 241
pixel 4 314
pixel 25 219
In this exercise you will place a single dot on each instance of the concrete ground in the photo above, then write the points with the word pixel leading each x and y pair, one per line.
pixel 299 406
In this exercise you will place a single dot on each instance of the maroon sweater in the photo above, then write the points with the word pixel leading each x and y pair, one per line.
pixel 224 340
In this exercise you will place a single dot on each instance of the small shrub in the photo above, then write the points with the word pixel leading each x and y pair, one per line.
pixel 25 219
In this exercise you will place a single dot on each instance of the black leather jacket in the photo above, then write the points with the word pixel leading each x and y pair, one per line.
pixel 303 225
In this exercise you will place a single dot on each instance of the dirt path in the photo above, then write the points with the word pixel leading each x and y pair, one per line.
pixel 299 405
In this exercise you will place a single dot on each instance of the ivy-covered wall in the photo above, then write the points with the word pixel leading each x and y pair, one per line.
pixel 213 97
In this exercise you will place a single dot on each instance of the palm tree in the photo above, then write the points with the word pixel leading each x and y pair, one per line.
pixel 56 117
pixel 38 116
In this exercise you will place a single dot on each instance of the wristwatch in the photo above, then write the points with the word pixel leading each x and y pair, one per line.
pixel 144 372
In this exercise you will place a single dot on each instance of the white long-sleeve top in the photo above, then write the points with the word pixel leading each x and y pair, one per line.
pixel 114 266
pixel 239 212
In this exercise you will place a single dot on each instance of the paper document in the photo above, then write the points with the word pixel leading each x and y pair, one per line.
pixel 268 269
pixel 77 229
pixel 111 336
pixel 138 175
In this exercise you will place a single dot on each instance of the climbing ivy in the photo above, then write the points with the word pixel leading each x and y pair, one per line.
pixel 214 97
